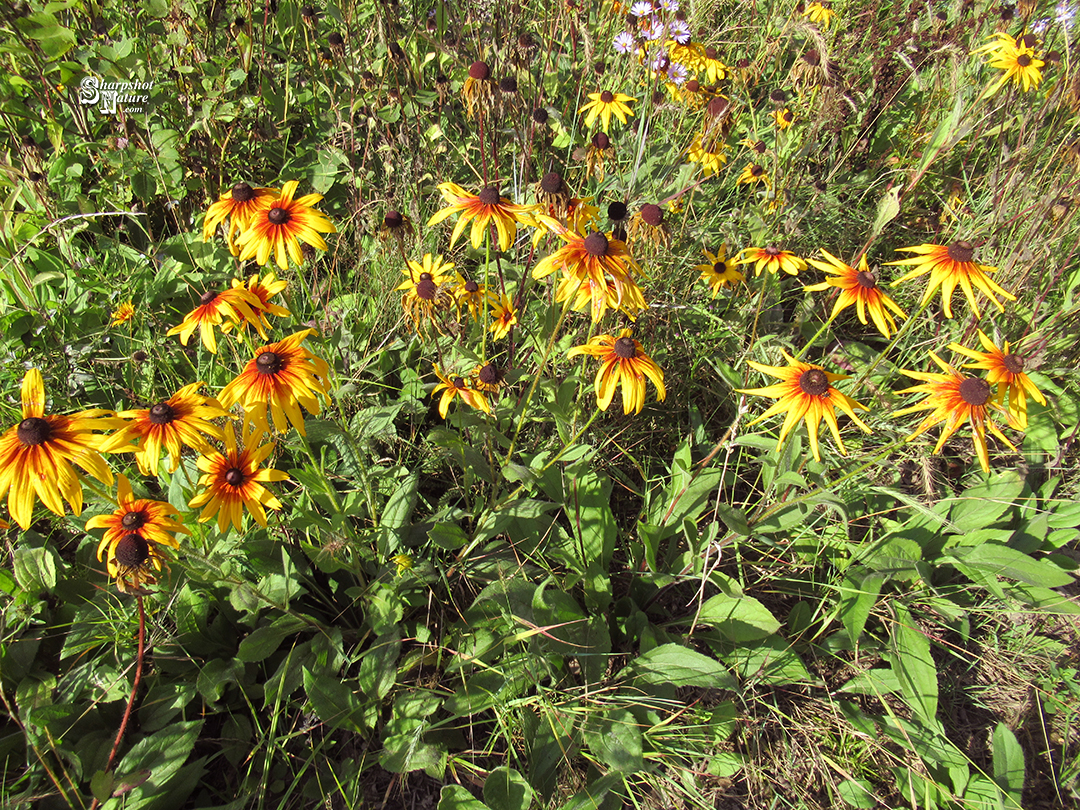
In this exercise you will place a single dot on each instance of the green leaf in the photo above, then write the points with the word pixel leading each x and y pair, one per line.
pixel 101 785
pixel 588 506
pixel 771 661
pixel 680 666
pixel 878 681
pixel 378 668
pixel 215 676
pixel 1008 562
pixel 887 210
pixel 35 568
pixel 507 789
pixel 1008 764
pixel 395 517
pixel 161 755
pixel 592 797
pixel 858 595
pixel 856 793
pixel 614 738
pixel 786 516
pixel 739 618
pixel 333 701
pixel 455 797
pixel 913 665
pixel 985 503
pixel 264 641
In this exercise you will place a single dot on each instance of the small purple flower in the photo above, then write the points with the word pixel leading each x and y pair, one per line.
pixel 659 61
pixel 654 30
pixel 669 5
pixel 624 42
pixel 679 30
pixel 642 8
pixel 677 73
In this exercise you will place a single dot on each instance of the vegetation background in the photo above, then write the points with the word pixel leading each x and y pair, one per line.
pixel 551 605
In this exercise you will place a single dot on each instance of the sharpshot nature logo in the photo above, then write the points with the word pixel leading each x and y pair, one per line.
pixel 109 96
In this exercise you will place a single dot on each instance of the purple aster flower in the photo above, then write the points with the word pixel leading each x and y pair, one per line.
pixel 677 73
pixel 654 30
pixel 669 5
pixel 642 8
pixel 679 30
pixel 624 42
pixel 659 61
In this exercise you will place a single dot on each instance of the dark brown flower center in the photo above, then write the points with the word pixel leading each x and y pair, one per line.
pixel 778 96
pixel 508 84
pixel 757 170
pixel 788 116
pixel 596 244
pixel 551 182
pixel 489 375
pixel 33 431
pixel 278 216
pixel 269 363
pixel 718 106
pixel 1023 60
pixel 773 250
pixel 693 86
pixel 336 39
pixel 812 57
pixel 743 63
pixel 601 140
pixel 866 279
pixel 1026 41
pixel 489 195
pixel 132 551
pixel 1014 363
pixel 719 267
pixel 710 52
pixel 458 383
pixel 606 97
pixel 652 215
pixel 961 251
pixel 161 414
pixel 242 192
pixel 760 147
pixel 234 477
pixel 540 115
pixel 975 391
pixel 133 520
pixel 425 287
pixel 479 71
pixel 393 220
pixel 616 211
pixel 471 286
pixel 625 348
pixel 813 382
pixel 207 297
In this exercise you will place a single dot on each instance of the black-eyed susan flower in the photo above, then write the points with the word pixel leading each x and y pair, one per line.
pixel 1016 58
pixel 426 289
pixel 453 385
pixel 772 259
pixel 182 419
pixel 622 294
pixel 622 361
pixel 953 399
pixel 503 316
pixel 599 147
pixel 647 225
pixel 604 105
pixel 278 226
pixel 719 271
pixel 710 152
pixel 280 377
pixel 487 378
pixel 122 314
pixel 234 480
pixel 820 13
pixel 596 270
pixel 1005 369
pixel 713 65
pixel 214 308
pixel 752 175
pixel 783 118
pixel 134 533
pixel 858 286
pixel 470 295
pixel 36 455
pixel 263 289
pixel 237 205
pixel 478 91
pixel 805 392
pixel 554 195
pixel 483 209
pixel 951 266
pixel 396 226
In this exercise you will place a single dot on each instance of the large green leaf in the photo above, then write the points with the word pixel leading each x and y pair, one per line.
pixel 913 665
pixel 1006 561
pixel 333 701
pixel 739 618
pixel 680 666
pixel 264 641
pixel 985 503
pixel 1008 764
pixel 614 737
pixel 507 789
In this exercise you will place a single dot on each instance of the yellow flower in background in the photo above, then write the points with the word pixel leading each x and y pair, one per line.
pixel 503 316
pixel 711 158
pixel 720 270
pixel 783 118
pixel 859 286
pixel 753 174
pixel 953 399
pixel 772 259
pixel 483 209
pixel 214 308
pixel 263 289
pixel 820 13
pixel 951 266
pixel 623 361
pixel 453 385
pixel 425 292
pixel 170 424
pixel 122 314
pixel 280 378
pixel 805 392
pixel 278 226
pixel 606 104
pixel 238 205
pixel 1016 58
pixel 36 454
pixel 234 479
pixel 1005 370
